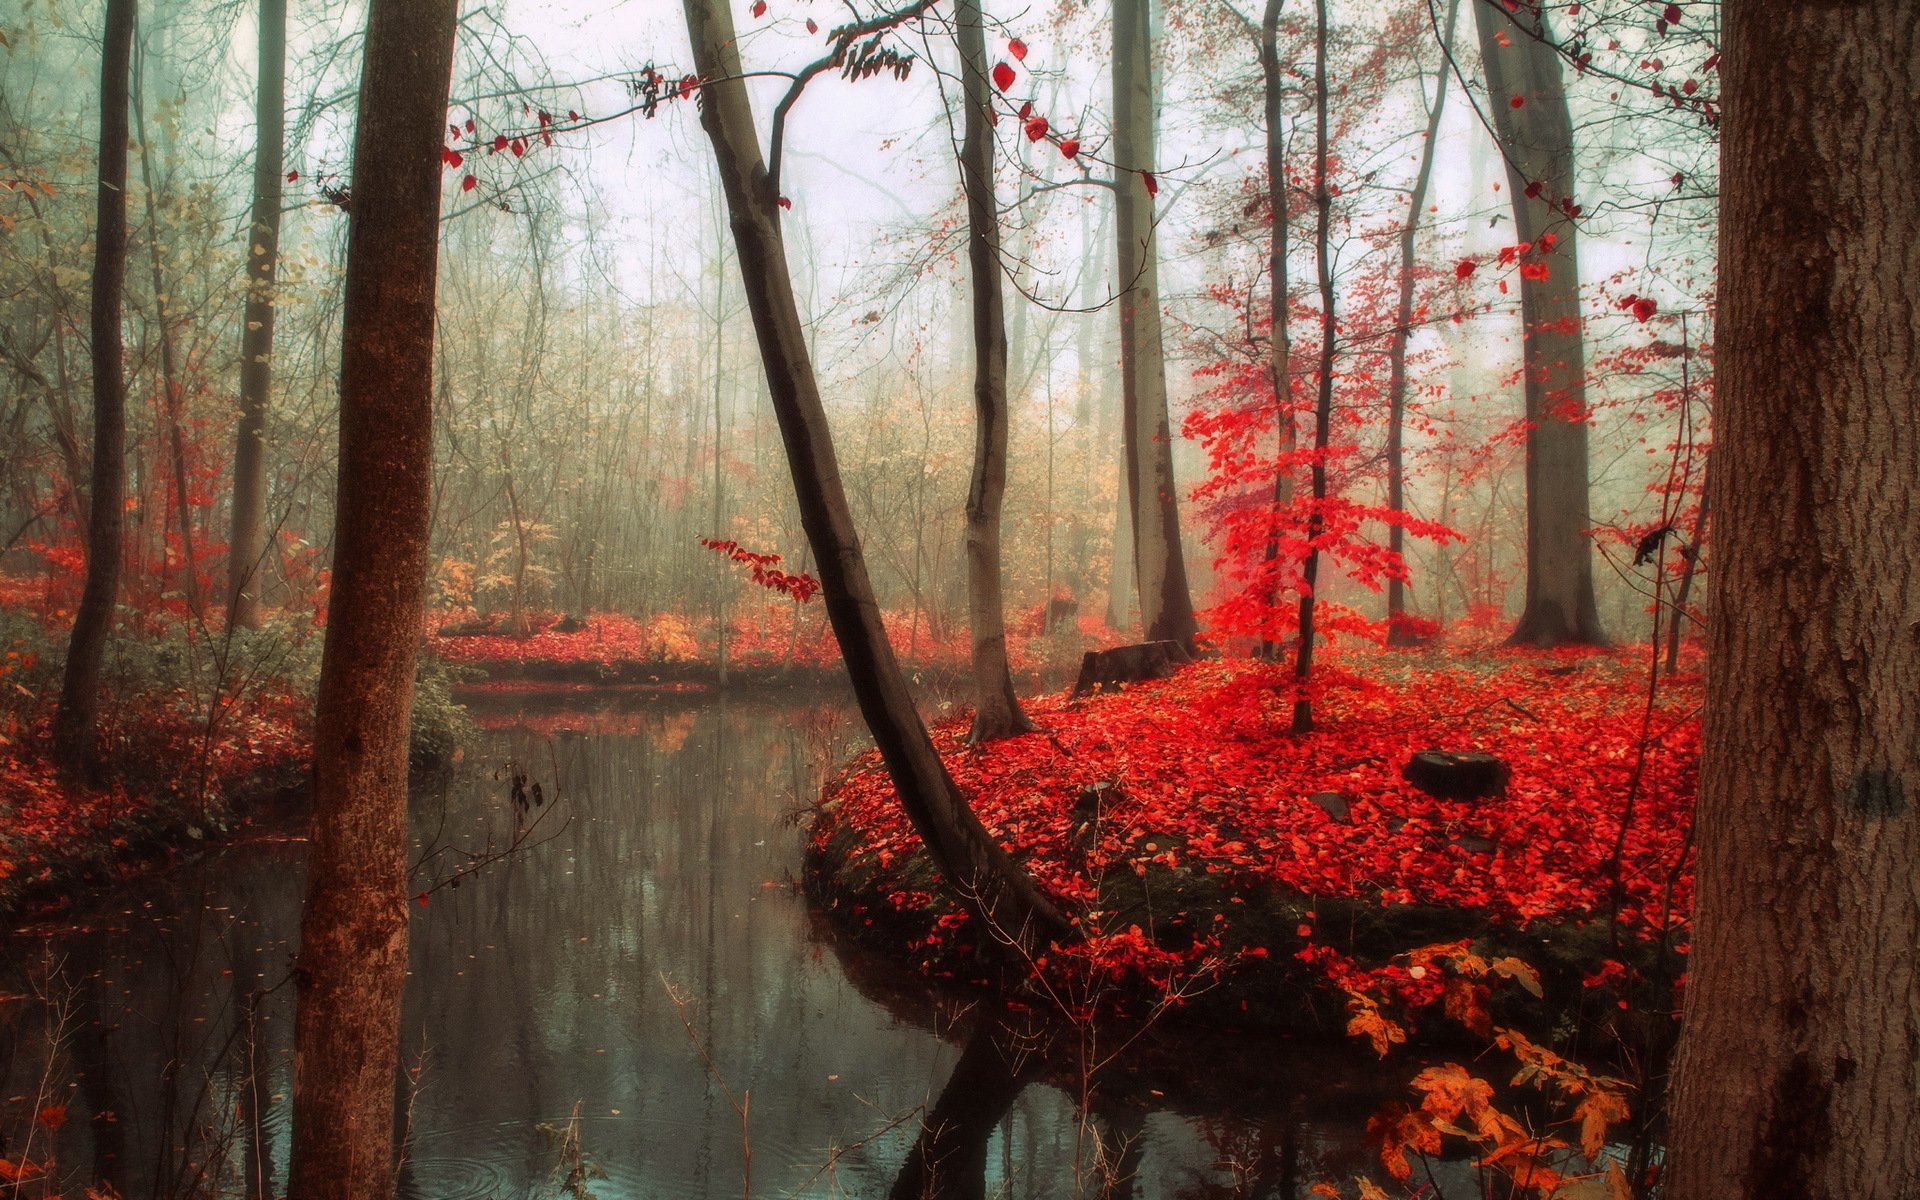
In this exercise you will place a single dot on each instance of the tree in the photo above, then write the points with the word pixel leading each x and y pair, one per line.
pixel 1397 631
pixel 1273 91
pixel 1166 605
pixel 997 711
pixel 352 965
pixel 1323 401
pixel 73 729
pixel 1798 1060
pixel 247 546
pixel 1535 131
pixel 985 878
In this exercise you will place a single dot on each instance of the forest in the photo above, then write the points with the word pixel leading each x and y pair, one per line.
pixel 935 599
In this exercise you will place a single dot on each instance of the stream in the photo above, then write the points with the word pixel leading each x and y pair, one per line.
pixel 621 971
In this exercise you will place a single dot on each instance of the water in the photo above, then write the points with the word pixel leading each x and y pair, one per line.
pixel 602 992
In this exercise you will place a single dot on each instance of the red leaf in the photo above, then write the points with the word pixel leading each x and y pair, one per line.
pixel 292 175
pixel 1517 102
pixel 1533 190
pixel 1644 308
pixel 1153 185
pixel 812 26
pixel 1026 110
pixel 499 142
pixel 572 115
pixel 1036 129
pixel 1002 76
pixel 1018 49
pixel 1673 14
pixel 451 157
pixel 759 8
pixel 469 183
pixel 421 899
pixel 785 203
pixel 1070 147
pixel 1464 268
pixel 1535 270
pixel 469 124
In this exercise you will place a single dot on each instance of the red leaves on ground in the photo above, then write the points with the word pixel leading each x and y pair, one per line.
pixel 1212 782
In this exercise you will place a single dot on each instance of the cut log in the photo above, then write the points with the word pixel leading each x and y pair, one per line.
pixel 1451 776
pixel 1128 664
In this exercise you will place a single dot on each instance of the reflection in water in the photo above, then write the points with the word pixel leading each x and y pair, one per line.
pixel 641 957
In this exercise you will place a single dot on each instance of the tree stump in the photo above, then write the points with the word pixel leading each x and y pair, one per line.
pixel 1128 664
pixel 1451 776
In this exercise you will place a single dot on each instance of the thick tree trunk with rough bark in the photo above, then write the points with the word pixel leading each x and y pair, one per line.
pixel 1536 140
pixel 997 711
pixel 1799 1070
pixel 247 544
pixel 985 879
pixel 1160 568
pixel 73 724
pixel 1397 633
pixel 352 965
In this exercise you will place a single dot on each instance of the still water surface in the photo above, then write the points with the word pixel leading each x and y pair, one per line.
pixel 604 997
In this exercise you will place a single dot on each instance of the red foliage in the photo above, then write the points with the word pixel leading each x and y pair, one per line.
pixel 1212 781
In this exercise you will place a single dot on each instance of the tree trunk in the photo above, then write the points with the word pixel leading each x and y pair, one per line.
pixel 352 964
pixel 247 546
pixel 1166 607
pixel 1397 634
pixel 1323 406
pixel 1799 1070
pixel 1279 341
pixel 988 882
pixel 74 723
pixel 997 711
pixel 1537 143
pixel 173 388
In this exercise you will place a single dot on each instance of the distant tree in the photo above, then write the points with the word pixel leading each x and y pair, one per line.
pixel 74 724
pixel 352 964
pixel 1801 1040
pixel 997 711
pixel 1397 632
pixel 247 545
pixel 1166 603
pixel 1528 101
pixel 1323 399
pixel 984 877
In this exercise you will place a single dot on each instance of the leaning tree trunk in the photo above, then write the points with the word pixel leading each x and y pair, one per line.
pixel 1166 605
pixel 1536 140
pixel 74 723
pixel 997 711
pixel 247 546
pixel 352 965
pixel 1799 1069
pixel 992 886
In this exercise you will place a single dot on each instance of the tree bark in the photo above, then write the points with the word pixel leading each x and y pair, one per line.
pixel 247 545
pixel 1323 405
pixel 1279 340
pixel 996 711
pixel 1536 141
pixel 987 881
pixel 74 722
pixel 1799 1070
pixel 1397 634
pixel 1166 605
pixel 352 963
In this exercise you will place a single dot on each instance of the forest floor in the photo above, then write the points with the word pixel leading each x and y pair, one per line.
pixel 1239 868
